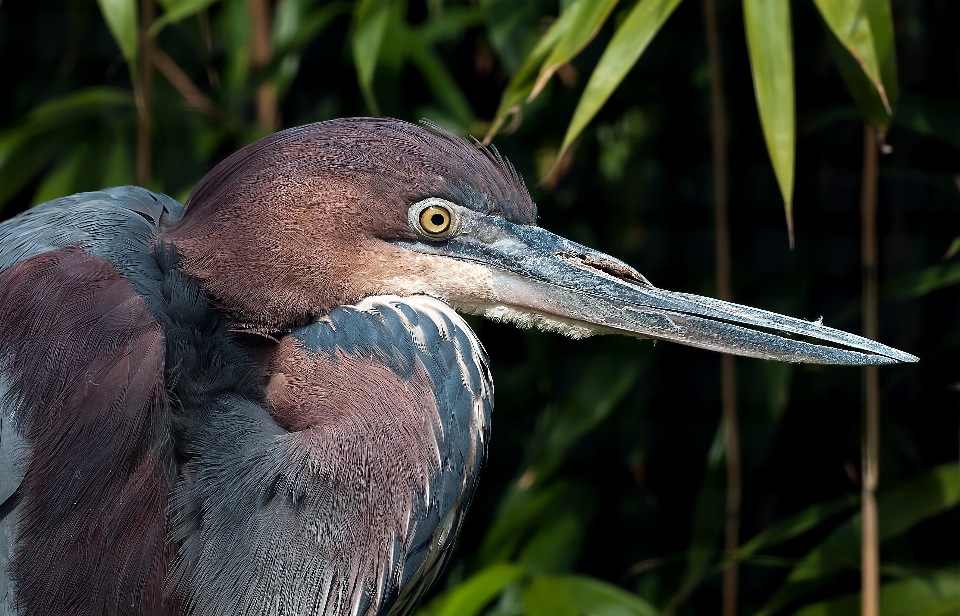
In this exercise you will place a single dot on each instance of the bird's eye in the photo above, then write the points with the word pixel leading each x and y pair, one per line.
pixel 434 218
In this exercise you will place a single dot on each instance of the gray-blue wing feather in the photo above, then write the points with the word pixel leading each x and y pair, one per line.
pixel 405 333
pixel 354 510
pixel 116 225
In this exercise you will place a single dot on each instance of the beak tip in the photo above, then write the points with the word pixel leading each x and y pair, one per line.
pixel 890 357
pixel 907 358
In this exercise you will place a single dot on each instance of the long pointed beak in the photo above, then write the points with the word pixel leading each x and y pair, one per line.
pixel 564 286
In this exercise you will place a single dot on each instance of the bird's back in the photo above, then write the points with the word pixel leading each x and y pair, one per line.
pixel 94 233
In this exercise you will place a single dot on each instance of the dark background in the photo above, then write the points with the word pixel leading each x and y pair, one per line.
pixel 622 489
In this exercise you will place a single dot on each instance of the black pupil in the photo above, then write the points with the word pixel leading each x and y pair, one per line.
pixel 437 219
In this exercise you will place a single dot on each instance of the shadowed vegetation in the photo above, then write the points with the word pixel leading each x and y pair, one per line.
pixel 606 487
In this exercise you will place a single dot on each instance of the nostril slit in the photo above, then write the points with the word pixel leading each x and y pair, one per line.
pixel 604 264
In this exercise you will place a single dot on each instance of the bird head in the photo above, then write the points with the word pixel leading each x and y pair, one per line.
pixel 330 213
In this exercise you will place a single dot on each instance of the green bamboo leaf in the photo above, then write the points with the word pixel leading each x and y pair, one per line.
pixel 534 497
pixel 929 493
pixel 442 84
pixel 293 29
pixel 119 163
pixel 707 523
pixel 99 101
pixel 922 595
pixel 880 15
pixel 89 159
pixel 369 25
pixel 448 26
pixel 472 595
pixel 587 17
pixel 62 179
pixel 770 42
pixel 593 597
pixel 913 284
pixel 512 28
pixel 522 82
pixel 796 525
pixel 865 29
pixel 547 596
pixel 558 536
pixel 628 43
pixel 418 45
pixel 51 129
pixel 287 20
pixel 934 117
pixel 592 399
pixel 918 284
pixel 866 97
pixel 122 20
pixel 848 21
pixel 236 29
pixel 178 10
pixel 954 247
pixel 518 511
pixel 22 158
pixel 772 380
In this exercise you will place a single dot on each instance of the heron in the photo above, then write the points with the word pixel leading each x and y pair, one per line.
pixel 267 402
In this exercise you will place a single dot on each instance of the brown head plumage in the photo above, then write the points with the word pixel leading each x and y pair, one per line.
pixel 300 221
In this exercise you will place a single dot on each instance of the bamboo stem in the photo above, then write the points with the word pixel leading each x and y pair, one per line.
pixel 728 374
pixel 728 383
pixel 193 97
pixel 268 117
pixel 870 541
pixel 141 92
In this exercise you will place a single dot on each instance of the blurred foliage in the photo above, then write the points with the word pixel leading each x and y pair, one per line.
pixel 604 488
pixel 864 52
